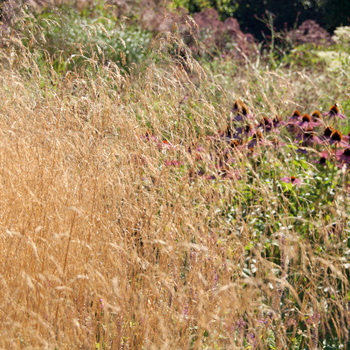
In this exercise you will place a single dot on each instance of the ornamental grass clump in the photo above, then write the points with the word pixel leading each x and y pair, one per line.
pixel 129 221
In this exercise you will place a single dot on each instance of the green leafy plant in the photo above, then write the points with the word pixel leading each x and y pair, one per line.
pixel 71 38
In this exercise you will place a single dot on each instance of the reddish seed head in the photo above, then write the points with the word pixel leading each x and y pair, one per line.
pixel 236 104
pixel 334 109
pixel 306 118
pixel 296 113
pixel 347 152
pixel 336 136
pixel 316 115
pixel 265 121
pixel 328 131
pixel 275 141
pixel 309 133
pixel 228 131
pixel 234 143
pixel 277 119
pixel 257 135
pixel 245 110
pixel 323 160
pixel 292 179
pixel 240 107
pixel 247 129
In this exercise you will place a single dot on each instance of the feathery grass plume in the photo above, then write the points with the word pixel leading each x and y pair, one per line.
pixel 104 246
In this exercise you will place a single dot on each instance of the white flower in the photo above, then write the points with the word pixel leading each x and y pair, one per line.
pixel 342 36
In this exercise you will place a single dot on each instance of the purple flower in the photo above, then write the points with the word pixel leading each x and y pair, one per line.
pixel 244 131
pixel 295 116
pixel 307 137
pixel 326 137
pixel 304 122
pixel 148 136
pixel 316 116
pixel 240 324
pixel 336 137
pixel 277 121
pixel 331 137
pixel 257 137
pixel 334 112
pixel 252 340
pixel 323 158
pixel 293 180
pixel 185 311
pixel 240 111
pixel 347 138
pixel 268 125
pixel 291 123
pixel 209 177
pixel 343 155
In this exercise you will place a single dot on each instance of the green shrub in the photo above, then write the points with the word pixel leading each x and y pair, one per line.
pixel 71 38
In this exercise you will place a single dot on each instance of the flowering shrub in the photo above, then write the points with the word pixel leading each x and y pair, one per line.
pixel 309 32
pixel 337 58
pixel 342 36
pixel 218 36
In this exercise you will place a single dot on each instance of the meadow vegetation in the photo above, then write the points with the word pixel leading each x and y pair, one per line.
pixel 158 197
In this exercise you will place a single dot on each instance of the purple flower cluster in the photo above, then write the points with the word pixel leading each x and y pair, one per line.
pixel 245 135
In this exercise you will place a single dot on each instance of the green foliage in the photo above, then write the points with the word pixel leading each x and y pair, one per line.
pixel 328 13
pixel 226 8
pixel 71 38
pixel 303 56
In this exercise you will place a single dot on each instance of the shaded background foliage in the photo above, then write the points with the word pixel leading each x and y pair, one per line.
pixel 328 13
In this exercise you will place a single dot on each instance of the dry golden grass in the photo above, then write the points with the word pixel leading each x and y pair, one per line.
pixel 103 244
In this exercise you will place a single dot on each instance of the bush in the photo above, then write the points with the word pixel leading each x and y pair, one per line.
pixel 71 38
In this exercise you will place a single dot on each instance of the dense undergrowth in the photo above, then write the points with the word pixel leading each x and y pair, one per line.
pixel 163 202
